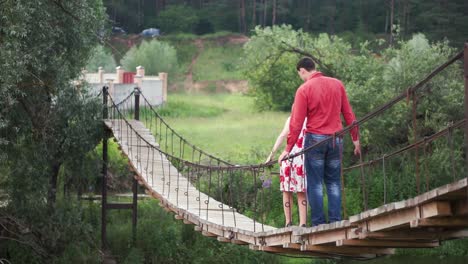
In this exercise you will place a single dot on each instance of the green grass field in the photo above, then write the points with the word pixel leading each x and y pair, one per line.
pixel 218 62
pixel 232 130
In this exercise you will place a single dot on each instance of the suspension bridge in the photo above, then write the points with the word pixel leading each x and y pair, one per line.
pixel 231 203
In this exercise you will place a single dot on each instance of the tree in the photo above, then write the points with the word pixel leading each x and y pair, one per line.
pixel 156 56
pixel 177 18
pixel 101 58
pixel 46 121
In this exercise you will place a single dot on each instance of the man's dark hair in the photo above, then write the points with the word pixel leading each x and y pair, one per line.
pixel 306 63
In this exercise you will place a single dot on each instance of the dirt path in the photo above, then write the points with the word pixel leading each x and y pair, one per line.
pixel 188 83
pixel 221 85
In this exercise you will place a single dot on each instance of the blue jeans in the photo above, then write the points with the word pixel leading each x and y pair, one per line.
pixel 323 164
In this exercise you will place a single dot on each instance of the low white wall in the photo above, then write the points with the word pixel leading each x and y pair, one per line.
pixel 152 89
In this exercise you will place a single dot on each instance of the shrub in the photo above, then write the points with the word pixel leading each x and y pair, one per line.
pixel 156 56
pixel 100 58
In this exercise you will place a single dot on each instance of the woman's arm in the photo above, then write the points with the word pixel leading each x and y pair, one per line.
pixel 279 140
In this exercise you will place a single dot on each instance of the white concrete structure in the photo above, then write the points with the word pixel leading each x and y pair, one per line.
pixel 153 87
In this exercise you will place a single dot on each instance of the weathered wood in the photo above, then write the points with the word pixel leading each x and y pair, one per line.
pixel 238 242
pixel 178 217
pixel 276 240
pixel 349 251
pixel 208 234
pixel 449 222
pixel 287 250
pixel 405 235
pixel 386 243
pixel 437 208
pixel 325 237
pixel 224 240
pixel 461 207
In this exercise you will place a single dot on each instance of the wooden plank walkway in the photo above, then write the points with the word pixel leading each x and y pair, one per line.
pixel 421 222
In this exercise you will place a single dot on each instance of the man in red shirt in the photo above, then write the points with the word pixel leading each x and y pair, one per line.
pixel 322 100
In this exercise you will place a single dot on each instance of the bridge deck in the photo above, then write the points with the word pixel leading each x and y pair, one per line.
pixel 423 221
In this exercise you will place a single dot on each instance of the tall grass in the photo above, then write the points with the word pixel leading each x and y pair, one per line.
pixel 238 133
pixel 219 62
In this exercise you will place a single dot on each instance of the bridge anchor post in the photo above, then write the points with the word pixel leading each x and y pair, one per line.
pixel 465 73
pixel 105 137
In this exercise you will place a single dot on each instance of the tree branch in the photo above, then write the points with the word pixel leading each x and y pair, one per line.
pixel 326 68
pixel 59 5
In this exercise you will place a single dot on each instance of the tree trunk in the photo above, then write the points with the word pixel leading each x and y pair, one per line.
pixel 392 5
pixel 52 192
pixel 408 10
pixel 273 15
pixel 386 21
pixel 332 17
pixel 265 5
pixel 243 24
pixel 254 13
pixel 307 10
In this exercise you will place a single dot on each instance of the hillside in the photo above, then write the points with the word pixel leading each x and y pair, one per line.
pixel 209 63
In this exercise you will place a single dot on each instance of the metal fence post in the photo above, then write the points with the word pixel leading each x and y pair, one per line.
pixel 135 183
pixel 137 103
pixel 105 114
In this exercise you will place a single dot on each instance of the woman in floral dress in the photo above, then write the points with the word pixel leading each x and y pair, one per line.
pixel 292 177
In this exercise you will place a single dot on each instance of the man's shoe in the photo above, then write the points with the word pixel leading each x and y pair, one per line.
pixel 289 224
pixel 304 225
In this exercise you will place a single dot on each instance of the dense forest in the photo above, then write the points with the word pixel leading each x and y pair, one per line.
pixel 438 19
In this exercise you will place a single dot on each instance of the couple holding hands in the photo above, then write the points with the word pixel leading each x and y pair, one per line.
pixel 315 116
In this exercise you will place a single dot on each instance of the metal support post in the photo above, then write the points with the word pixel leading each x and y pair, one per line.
pixel 105 138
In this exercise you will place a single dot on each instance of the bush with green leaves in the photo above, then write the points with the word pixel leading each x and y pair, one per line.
pixel 371 79
pixel 101 58
pixel 156 56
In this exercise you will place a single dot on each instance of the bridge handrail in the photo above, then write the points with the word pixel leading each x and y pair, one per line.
pixel 178 135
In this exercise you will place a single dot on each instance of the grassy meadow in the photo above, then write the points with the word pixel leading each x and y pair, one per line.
pixel 218 62
pixel 225 125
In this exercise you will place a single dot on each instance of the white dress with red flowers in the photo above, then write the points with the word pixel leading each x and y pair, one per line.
pixel 292 174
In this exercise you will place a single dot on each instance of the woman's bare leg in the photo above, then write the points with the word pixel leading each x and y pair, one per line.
pixel 287 203
pixel 302 205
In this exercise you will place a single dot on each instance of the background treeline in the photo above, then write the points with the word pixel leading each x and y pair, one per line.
pixel 441 19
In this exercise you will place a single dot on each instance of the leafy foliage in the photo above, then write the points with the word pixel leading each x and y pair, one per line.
pixel 177 19
pixel 156 56
pixel 101 58
pixel 46 120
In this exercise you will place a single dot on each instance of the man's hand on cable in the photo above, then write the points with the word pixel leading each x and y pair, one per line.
pixel 357 147
pixel 282 156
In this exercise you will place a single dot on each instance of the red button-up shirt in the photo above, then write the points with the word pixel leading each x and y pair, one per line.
pixel 322 100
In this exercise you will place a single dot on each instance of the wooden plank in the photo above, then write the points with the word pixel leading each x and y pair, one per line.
pixel 276 240
pixel 187 222
pixel 238 242
pixel 386 243
pixel 295 251
pixel 325 237
pixel 224 240
pixel 461 207
pixel 402 235
pixel 292 245
pixel 178 217
pixel 437 208
pixel 349 251
pixel 208 234
pixel 449 222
